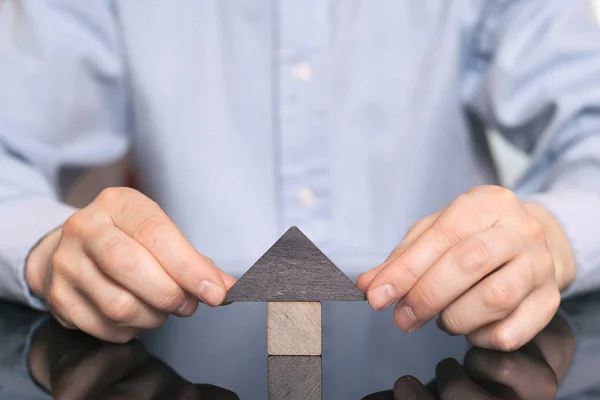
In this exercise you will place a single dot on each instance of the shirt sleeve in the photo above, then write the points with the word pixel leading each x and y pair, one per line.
pixel 533 75
pixel 62 107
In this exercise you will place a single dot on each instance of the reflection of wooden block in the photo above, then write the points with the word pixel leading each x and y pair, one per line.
pixel 294 329
pixel 294 377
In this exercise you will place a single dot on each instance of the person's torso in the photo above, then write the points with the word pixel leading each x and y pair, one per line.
pixel 343 118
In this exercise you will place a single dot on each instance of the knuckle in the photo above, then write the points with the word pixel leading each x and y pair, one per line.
pixel 57 300
pixel 464 199
pixel 112 195
pixel 421 224
pixel 425 298
pixel 59 261
pixel 473 255
pixel 147 230
pixel 500 296
pixel 119 255
pixel 451 323
pixel 497 193
pixel 407 267
pixel 503 340
pixel 75 225
pixel 448 235
pixel 122 308
pixel 533 229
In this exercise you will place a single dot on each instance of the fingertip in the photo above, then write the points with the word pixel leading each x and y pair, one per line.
pixel 381 296
pixel 228 280
pixel 188 307
pixel 211 293
pixel 363 281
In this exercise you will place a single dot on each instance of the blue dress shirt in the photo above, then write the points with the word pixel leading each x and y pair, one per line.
pixel 351 119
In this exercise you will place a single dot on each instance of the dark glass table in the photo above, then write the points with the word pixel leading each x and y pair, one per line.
pixel 220 353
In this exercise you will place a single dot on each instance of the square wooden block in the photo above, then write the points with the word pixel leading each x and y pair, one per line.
pixel 294 329
pixel 294 377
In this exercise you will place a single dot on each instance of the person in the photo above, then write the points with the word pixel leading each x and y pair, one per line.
pixel 351 120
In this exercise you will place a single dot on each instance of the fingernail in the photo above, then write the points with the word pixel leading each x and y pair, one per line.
pixel 210 293
pixel 382 296
pixel 186 308
pixel 405 319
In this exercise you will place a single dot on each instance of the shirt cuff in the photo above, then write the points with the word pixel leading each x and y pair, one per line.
pixel 578 214
pixel 24 223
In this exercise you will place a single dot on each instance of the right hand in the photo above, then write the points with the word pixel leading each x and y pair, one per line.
pixel 120 265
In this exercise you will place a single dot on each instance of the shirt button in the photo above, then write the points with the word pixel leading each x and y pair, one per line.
pixel 307 198
pixel 302 71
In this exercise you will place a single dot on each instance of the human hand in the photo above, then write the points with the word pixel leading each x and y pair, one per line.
pixel 120 265
pixel 71 365
pixel 490 265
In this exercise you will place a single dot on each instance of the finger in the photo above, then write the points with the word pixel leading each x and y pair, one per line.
pixel 93 372
pixel 409 387
pixel 144 221
pixel 454 384
pixel 529 378
pixel 80 312
pixel 364 280
pixel 133 267
pixel 490 300
pixel 227 279
pixel 400 274
pixel 112 300
pixel 530 317
pixel 455 272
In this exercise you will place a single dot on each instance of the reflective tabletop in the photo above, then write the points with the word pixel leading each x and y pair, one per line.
pixel 216 355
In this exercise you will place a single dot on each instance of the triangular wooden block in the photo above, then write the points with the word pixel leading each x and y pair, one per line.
pixel 294 269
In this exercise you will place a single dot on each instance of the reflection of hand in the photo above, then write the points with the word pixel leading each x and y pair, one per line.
pixel 71 365
pixel 120 265
pixel 490 265
pixel 531 373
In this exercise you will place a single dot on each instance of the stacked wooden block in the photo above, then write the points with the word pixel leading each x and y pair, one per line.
pixel 294 347
pixel 294 276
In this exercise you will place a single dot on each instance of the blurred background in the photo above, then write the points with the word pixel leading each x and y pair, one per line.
pixel 510 161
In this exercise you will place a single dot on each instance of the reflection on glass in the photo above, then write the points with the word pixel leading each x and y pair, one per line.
pixel 39 360
pixel 530 373
pixel 71 365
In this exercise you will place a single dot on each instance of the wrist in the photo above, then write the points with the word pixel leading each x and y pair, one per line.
pixel 38 262
pixel 558 244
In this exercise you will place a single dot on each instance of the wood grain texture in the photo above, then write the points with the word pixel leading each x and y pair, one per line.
pixel 294 329
pixel 294 269
pixel 294 378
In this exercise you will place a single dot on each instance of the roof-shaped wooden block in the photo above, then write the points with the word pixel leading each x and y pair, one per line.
pixel 294 269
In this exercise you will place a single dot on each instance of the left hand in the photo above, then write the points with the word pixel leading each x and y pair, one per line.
pixel 490 265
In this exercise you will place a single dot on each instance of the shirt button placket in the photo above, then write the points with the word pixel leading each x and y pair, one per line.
pixel 303 116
